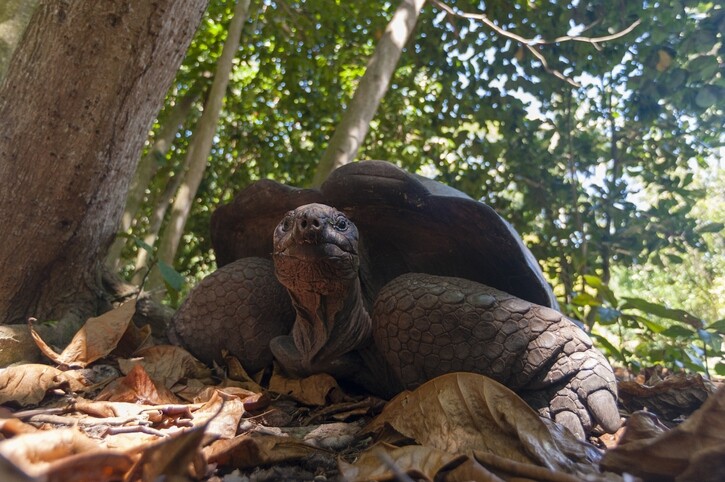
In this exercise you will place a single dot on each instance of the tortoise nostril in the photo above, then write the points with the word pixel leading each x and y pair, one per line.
pixel 315 223
pixel 303 224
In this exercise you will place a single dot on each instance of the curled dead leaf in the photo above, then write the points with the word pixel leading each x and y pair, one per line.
pixel 250 451
pixel 33 452
pixel 694 450
pixel 462 412
pixel 137 387
pixel 221 414
pixel 313 390
pixel 167 364
pixel 382 461
pixel 96 339
pixel 28 384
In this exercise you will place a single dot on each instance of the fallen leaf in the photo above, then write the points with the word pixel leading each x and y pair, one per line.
pixel 383 461
pixel 676 395
pixel 133 339
pixel 332 436
pixel 694 450
pixel 9 472
pixel 313 390
pixel 176 455
pixel 236 372
pixel 135 387
pixel 250 451
pixel 462 412
pixel 221 414
pixel 167 364
pixel 33 452
pixel 96 339
pixel 97 466
pixel 28 384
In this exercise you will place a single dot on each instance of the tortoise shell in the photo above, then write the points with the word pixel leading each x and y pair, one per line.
pixel 407 223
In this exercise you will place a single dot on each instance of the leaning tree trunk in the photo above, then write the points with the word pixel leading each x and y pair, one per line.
pixel 200 147
pixel 350 133
pixel 76 106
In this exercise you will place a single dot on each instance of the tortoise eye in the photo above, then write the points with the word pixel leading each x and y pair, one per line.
pixel 287 223
pixel 341 224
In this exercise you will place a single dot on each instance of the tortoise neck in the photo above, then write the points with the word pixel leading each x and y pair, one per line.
pixel 329 325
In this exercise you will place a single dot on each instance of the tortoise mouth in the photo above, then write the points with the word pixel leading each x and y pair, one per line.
pixel 314 252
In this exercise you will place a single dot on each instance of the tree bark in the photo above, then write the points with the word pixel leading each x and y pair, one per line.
pixel 147 168
pixel 353 127
pixel 200 146
pixel 14 17
pixel 77 104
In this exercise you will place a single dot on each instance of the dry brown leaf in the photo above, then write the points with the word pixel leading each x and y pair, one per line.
pixel 222 414
pixel 97 466
pixel 28 384
pixel 236 372
pixel 333 436
pixel 9 472
pixel 313 390
pixel 695 448
pixel 96 339
pixel 676 395
pixel 468 469
pixel 462 412
pixel 10 427
pixel 133 339
pixel 137 387
pixel 415 460
pixel 166 364
pixel 250 451
pixel 176 455
pixel 33 452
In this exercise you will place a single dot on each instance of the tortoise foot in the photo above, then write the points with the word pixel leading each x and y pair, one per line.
pixel 426 326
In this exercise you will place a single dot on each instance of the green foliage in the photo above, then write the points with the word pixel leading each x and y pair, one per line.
pixel 639 333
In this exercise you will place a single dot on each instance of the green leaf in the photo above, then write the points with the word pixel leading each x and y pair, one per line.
pixel 718 326
pixel 711 228
pixel 662 311
pixel 143 245
pixel 607 316
pixel 585 299
pixel 707 96
pixel 720 369
pixel 597 283
pixel 611 349
pixel 652 325
pixel 171 277
pixel 678 331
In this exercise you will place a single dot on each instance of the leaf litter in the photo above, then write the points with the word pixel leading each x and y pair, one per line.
pixel 115 406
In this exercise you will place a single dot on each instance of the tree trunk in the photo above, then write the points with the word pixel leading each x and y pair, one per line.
pixel 14 17
pixel 76 106
pixel 200 146
pixel 147 168
pixel 353 127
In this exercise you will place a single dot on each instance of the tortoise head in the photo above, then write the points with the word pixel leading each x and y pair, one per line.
pixel 316 250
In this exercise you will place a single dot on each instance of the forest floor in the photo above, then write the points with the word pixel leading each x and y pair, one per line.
pixel 115 406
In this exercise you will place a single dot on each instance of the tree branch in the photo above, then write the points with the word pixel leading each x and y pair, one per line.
pixel 531 44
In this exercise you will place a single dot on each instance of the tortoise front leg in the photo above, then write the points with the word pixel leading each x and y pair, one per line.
pixel 240 308
pixel 426 326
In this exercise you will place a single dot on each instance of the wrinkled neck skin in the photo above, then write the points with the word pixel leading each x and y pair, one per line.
pixel 330 325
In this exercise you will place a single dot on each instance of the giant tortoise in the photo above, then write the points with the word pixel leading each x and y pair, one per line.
pixel 387 280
